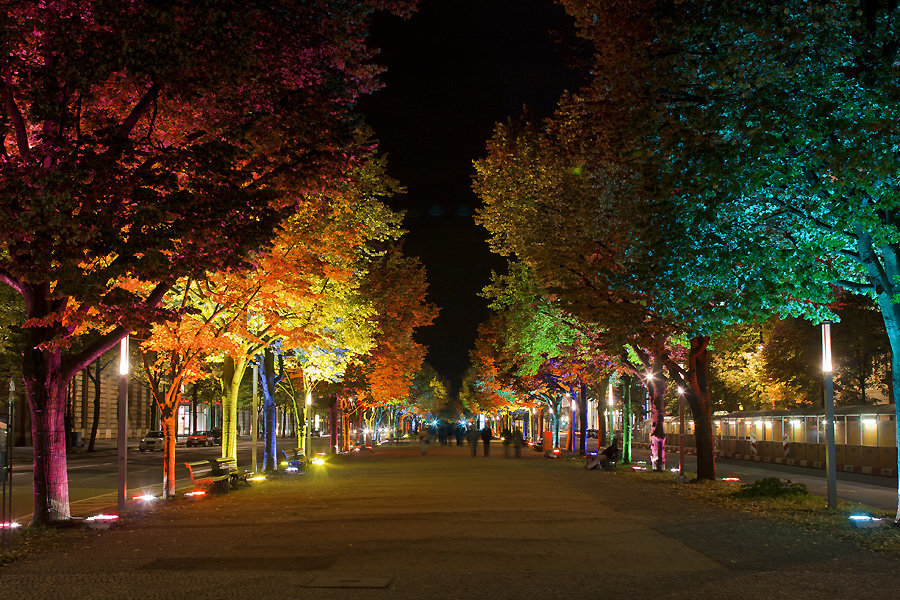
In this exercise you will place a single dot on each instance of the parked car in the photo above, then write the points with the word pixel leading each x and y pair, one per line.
pixel 199 438
pixel 216 436
pixel 154 440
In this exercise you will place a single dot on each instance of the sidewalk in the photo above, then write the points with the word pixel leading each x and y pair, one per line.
pixel 395 524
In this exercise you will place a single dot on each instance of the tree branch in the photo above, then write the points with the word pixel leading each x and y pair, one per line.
pixel 103 343
pixel 16 118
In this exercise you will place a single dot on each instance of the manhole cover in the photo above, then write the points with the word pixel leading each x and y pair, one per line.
pixel 346 580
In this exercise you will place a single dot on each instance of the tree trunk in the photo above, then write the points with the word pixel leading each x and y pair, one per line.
pixel 697 395
pixel 41 371
pixel 96 421
pixel 332 423
pixel 656 386
pixel 626 419
pixel 232 374
pixel 169 432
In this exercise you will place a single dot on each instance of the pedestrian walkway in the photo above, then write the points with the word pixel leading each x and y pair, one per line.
pixel 396 524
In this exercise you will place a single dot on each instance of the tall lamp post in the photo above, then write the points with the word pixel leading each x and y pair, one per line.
pixel 307 442
pixel 254 407
pixel 612 423
pixel 122 434
pixel 681 434
pixel 827 368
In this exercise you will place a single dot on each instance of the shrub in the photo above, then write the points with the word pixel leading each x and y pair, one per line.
pixel 771 487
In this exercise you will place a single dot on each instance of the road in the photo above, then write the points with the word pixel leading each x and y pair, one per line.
pixel 93 477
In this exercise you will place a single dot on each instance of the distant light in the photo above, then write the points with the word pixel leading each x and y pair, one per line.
pixel 556 451
pixel 674 469
pixel 869 422
pixel 796 422
pixel 649 376
pixel 257 478
pixel 638 468
pixel 10 525
pixel 145 497
pixel 318 461
pixel 680 390
pixel 731 479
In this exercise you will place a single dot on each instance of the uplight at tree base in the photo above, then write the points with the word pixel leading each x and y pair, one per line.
pixel 257 478
pixel 144 498
pixel 731 479
pixel 195 494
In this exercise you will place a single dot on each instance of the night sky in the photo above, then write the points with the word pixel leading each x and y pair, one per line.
pixel 454 69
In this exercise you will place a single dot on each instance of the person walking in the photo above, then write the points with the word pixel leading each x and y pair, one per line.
pixel 486 435
pixel 472 436
pixel 424 439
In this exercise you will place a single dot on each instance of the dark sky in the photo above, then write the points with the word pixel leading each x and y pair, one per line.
pixel 454 69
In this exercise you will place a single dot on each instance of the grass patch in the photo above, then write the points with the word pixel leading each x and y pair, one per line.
pixel 786 502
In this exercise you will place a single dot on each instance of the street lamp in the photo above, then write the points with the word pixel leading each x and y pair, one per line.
pixel 609 403
pixel 308 440
pixel 122 442
pixel 254 407
pixel 681 433
pixel 827 369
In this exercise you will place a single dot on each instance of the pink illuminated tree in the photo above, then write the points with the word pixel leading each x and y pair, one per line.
pixel 154 148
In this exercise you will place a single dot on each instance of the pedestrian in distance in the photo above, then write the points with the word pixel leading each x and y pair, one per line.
pixel 486 435
pixel 473 436
pixel 518 441
pixel 506 438
pixel 424 440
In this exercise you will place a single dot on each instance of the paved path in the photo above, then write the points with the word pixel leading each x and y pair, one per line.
pixel 449 526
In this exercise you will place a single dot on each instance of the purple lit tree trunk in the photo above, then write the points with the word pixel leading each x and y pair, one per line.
pixel 656 385
pixel 46 398
pixel 268 382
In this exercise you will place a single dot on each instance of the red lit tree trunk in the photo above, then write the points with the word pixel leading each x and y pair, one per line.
pixel 167 417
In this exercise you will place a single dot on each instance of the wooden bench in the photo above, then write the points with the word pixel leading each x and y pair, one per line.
pixel 227 467
pixel 295 458
pixel 204 475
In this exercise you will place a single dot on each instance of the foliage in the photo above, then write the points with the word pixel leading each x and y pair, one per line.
pixel 771 487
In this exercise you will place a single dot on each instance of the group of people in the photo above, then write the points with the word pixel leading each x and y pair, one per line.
pixel 485 435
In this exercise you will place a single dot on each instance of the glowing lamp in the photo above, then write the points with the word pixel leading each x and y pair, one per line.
pixel 195 494
pixel 257 478
pixel 680 390
pixel 869 422
pixel 731 479
pixel 10 525
pixel 827 367
pixel 123 356
pixel 145 498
